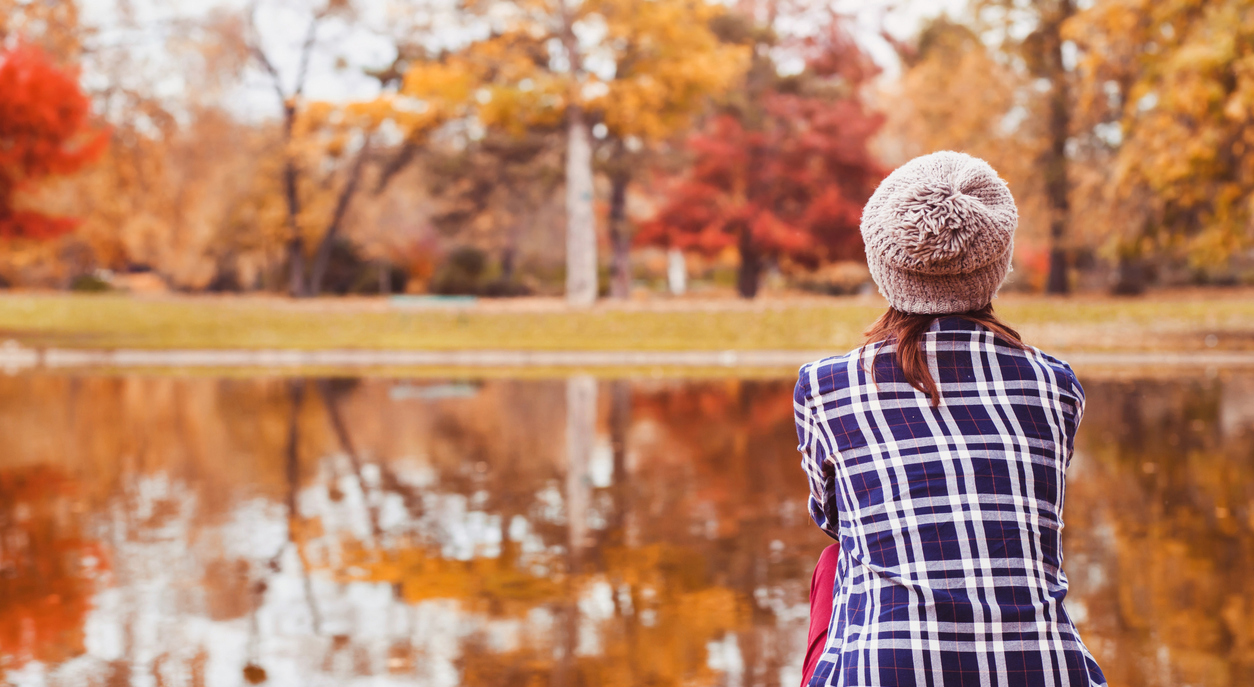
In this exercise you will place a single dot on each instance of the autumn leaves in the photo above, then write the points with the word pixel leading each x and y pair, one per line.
pixel 44 130
pixel 540 135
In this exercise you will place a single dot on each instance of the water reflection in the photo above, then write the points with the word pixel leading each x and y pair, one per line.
pixel 164 531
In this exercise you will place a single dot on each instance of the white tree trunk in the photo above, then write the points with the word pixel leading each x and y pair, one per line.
pixel 581 434
pixel 676 272
pixel 581 231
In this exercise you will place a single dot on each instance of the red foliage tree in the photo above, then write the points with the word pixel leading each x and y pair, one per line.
pixel 44 130
pixel 784 178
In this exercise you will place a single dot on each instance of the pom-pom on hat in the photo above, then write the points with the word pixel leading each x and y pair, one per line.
pixel 939 234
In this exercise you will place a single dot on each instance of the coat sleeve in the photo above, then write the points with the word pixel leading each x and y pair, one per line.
pixel 816 459
pixel 1073 426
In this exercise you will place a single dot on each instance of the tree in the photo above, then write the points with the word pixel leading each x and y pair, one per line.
pixel 669 62
pixel 980 87
pixel 957 93
pixel 783 174
pixel 581 230
pixel 649 68
pixel 53 26
pixel 291 102
pixel 44 131
pixel 1170 89
pixel 489 193
pixel 527 72
pixel 1044 52
pixel 336 137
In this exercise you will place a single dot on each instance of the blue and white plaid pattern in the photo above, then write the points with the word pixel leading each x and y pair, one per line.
pixel 948 518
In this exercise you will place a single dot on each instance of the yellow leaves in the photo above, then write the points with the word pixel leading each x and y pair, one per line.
pixel 540 104
pixel 668 62
pixel 499 584
pixel 439 85
pixel 1187 73
pixel 661 96
pixel 431 94
pixel 498 81
pixel 652 69
pixel 1240 105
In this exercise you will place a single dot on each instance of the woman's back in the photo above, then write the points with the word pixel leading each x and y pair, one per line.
pixel 948 517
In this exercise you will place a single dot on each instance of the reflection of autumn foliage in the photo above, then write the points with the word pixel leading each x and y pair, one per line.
pixel 45 576
pixel 697 536
pixel 666 612
pixel 1161 534
pixel 733 441
pixel 666 609
pixel 676 607
pixel 497 585
pixel 671 594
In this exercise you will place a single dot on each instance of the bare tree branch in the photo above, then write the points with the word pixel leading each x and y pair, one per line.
pixel 323 254
pixel 306 49
pixel 396 164
pixel 254 48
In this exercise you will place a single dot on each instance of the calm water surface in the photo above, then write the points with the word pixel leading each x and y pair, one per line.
pixel 191 531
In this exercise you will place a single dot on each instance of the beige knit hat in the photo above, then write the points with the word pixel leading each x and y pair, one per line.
pixel 939 234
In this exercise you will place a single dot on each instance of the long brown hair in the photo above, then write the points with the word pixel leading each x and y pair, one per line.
pixel 906 330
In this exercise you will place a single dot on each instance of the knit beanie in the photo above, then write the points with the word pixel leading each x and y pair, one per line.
pixel 939 233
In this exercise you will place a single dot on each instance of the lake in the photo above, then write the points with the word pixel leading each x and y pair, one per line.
pixel 190 530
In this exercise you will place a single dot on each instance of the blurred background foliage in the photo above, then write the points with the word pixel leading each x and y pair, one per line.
pixel 155 146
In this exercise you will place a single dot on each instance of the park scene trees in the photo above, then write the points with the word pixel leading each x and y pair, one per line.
pixel 560 148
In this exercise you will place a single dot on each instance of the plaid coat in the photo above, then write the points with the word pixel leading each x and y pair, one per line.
pixel 948 519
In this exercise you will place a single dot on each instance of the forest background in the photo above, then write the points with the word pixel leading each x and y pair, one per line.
pixel 608 147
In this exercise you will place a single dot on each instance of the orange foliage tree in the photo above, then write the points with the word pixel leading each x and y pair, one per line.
pixel 44 130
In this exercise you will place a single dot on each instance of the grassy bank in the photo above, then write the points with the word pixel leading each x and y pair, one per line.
pixel 1181 321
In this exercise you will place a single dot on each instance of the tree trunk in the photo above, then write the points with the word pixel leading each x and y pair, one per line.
pixel 620 240
pixel 508 256
pixel 750 265
pixel 1056 185
pixel 1131 278
pixel 295 242
pixel 323 255
pixel 581 235
pixel 676 272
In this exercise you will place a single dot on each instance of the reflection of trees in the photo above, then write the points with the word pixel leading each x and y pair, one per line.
pixel 46 568
pixel 674 544
pixel 1160 534
pixel 727 452
pixel 630 607
pixel 330 392
pixel 697 537
pixel 700 476
pixel 299 529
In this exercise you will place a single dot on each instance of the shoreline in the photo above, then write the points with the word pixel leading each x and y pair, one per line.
pixel 19 359
pixel 1223 323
